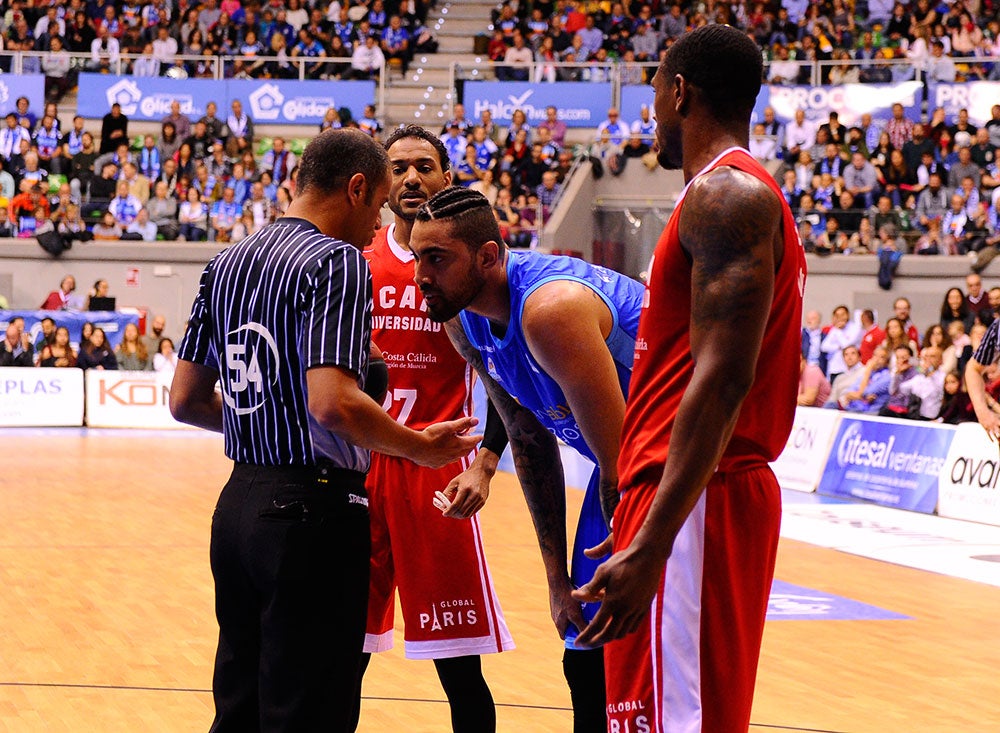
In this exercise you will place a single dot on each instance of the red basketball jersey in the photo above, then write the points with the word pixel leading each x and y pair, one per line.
pixel 663 364
pixel 424 367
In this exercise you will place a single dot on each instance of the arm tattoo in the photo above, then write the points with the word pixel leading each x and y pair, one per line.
pixel 536 459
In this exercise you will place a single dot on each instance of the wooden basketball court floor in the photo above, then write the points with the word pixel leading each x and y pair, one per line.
pixel 106 617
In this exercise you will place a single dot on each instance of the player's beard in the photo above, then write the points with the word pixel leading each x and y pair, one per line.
pixel 669 154
pixel 447 307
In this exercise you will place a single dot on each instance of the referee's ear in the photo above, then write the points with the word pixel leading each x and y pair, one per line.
pixel 357 189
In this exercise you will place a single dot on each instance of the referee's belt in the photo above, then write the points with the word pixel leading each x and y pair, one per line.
pixel 324 471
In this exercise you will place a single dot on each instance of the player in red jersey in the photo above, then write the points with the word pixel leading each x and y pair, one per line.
pixel 711 403
pixel 450 611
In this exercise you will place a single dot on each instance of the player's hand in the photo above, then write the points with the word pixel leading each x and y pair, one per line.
pixel 467 492
pixel 625 585
pixel 601 550
pixel 564 608
pixel 445 442
pixel 991 424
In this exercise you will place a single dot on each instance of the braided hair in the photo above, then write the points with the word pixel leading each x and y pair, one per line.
pixel 468 212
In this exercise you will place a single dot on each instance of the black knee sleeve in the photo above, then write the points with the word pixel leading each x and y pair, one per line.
pixel 472 707
pixel 584 671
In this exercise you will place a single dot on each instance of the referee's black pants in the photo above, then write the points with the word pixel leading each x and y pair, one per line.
pixel 290 556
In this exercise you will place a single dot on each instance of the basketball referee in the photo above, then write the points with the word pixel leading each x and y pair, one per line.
pixel 282 322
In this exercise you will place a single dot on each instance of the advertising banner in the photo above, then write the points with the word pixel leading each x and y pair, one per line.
pixel 129 400
pixel 976 96
pixel 632 100
pixel 267 101
pixel 45 397
pixel 580 104
pixel 967 487
pixel 850 101
pixel 31 86
pixel 113 322
pixel 801 463
pixel 889 462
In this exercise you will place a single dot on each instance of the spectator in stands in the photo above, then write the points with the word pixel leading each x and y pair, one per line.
pixel 12 136
pixel 193 217
pixel 114 129
pixel 861 181
pixel 107 229
pixel 555 126
pixel 799 135
pixel 24 206
pixel 977 299
pixel 56 67
pixel 105 51
pixel 617 128
pixel 369 123
pixel 72 226
pixel 147 64
pixel 812 340
pixel 367 59
pixel 965 167
pixel 956 407
pixel 138 184
pixel 58 353
pixel 517 60
pixel 169 142
pixel 278 160
pixel 185 161
pixel 16 349
pixel 870 391
pixel 396 42
pixel 165 358
pixel 217 164
pixel 225 214
pixel 782 70
pixel 200 142
pixel 95 352
pixel 842 332
pixel 545 60
pixel 141 227
pixel 259 207
pixel 847 379
pixel 124 206
pixel 899 127
pixel 102 188
pixel 955 308
pixel 903 369
pixel 932 202
pixel 214 127
pixel 924 391
pixel 165 47
pixel 131 353
pixel 814 388
pixel 180 121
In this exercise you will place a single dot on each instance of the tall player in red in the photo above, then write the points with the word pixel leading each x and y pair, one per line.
pixel 711 403
pixel 450 610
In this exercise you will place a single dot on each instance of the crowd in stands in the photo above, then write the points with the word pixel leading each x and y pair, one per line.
pixel 51 345
pixel 256 39
pixel 877 41
pixel 903 186
pixel 207 178
pixel 899 369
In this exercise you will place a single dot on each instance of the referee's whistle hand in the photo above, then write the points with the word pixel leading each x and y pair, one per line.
pixel 445 442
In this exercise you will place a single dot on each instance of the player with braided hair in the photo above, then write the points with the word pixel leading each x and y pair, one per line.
pixel 552 339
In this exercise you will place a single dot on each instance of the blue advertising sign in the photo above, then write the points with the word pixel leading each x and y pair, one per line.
pixel 789 602
pixel 976 96
pixel 580 104
pixel 31 86
pixel 113 322
pixel 850 101
pixel 889 462
pixel 633 98
pixel 265 100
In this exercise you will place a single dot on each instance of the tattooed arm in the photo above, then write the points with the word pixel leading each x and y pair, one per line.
pixel 566 325
pixel 730 227
pixel 539 469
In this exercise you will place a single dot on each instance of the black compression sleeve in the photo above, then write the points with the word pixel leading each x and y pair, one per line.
pixel 494 433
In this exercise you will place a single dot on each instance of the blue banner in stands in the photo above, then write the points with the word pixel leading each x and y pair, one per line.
pixel 31 86
pixel 113 322
pixel 978 97
pixel 849 100
pixel 580 104
pixel 267 101
pixel 887 461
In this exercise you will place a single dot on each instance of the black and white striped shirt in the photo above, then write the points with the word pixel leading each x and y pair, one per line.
pixel 986 354
pixel 278 303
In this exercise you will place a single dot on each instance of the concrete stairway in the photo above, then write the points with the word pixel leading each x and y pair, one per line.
pixel 425 95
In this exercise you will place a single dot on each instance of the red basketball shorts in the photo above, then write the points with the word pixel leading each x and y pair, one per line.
pixel 691 668
pixel 449 606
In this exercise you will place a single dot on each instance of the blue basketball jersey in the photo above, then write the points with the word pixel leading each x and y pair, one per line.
pixel 510 363
pixel 508 359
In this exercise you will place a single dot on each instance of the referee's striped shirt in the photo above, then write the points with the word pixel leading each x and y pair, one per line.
pixel 281 301
pixel 986 354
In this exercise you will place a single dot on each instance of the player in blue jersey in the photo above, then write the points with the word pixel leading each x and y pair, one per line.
pixel 553 339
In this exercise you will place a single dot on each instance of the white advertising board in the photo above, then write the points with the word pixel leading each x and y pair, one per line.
pixel 968 483
pixel 129 400
pixel 43 397
pixel 801 463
